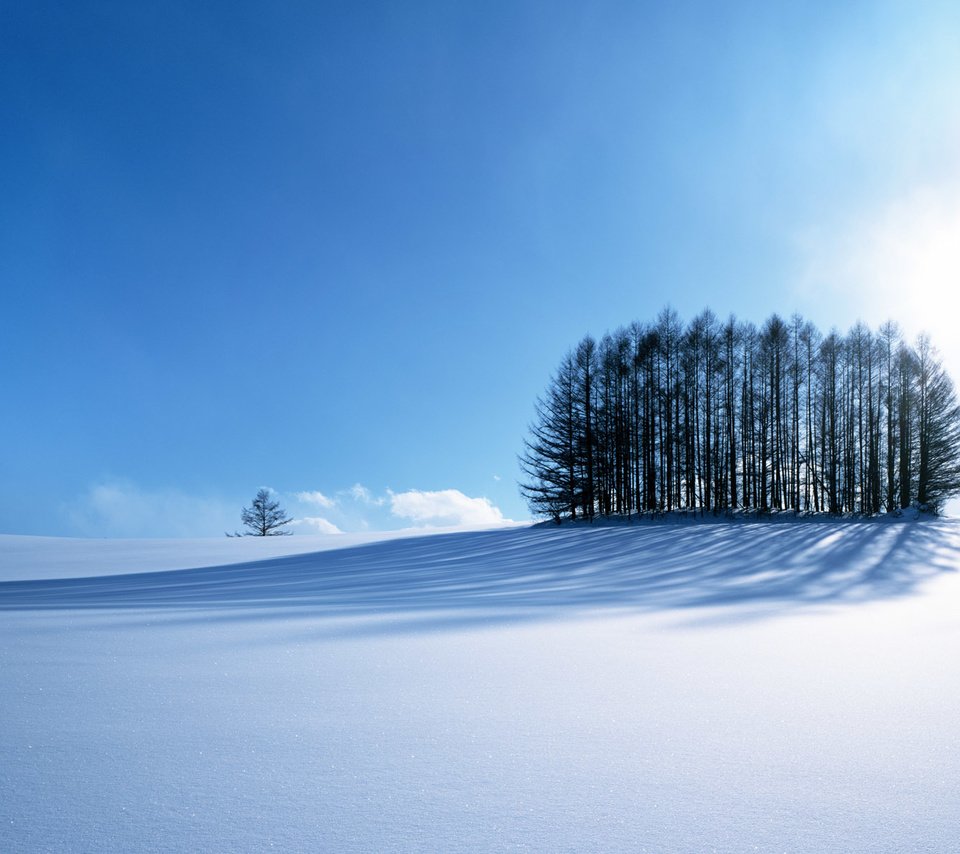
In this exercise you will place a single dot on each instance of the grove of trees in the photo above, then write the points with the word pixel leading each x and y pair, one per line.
pixel 717 416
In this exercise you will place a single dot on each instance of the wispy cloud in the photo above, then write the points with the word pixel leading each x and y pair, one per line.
pixel 317 498
pixel 358 492
pixel 120 508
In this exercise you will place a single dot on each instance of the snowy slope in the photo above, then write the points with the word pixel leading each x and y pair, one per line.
pixel 27 557
pixel 656 688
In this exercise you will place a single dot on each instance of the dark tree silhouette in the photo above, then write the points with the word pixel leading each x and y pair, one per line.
pixel 712 417
pixel 264 517
pixel 938 429
pixel 550 458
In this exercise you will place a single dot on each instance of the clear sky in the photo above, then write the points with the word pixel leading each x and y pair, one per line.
pixel 337 249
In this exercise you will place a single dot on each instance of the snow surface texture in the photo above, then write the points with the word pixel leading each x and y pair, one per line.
pixel 654 688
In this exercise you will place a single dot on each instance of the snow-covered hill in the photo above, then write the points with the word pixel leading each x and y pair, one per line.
pixel 687 687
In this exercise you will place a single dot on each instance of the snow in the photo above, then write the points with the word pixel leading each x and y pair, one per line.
pixel 687 687
pixel 28 557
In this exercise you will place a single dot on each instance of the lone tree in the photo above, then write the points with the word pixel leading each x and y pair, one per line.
pixel 265 517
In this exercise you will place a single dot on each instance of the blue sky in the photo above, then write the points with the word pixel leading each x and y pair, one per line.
pixel 338 249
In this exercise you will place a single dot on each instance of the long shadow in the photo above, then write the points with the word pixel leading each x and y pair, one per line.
pixel 532 572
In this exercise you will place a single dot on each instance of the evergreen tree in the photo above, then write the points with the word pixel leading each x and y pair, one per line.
pixel 550 458
pixel 938 430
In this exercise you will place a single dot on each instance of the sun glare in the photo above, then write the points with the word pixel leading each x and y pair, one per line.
pixel 901 263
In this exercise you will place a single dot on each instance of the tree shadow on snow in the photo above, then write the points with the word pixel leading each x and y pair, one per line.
pixel 463 579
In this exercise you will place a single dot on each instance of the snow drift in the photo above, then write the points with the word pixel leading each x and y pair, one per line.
pixel 657 687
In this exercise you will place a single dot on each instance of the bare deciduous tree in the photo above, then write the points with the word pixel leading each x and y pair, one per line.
pixel 265 517
pixel 711 417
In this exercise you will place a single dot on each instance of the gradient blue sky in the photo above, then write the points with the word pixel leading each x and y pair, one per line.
pixel 338 248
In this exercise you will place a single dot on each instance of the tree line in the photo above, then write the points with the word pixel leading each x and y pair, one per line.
pixel 718 416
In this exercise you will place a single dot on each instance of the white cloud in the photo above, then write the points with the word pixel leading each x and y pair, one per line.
pixel 497 478
pixel 119 508
pixel 445 508
pixel 317 498
pixel 316 524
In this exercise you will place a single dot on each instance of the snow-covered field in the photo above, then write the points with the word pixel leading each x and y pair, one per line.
pixel 696 687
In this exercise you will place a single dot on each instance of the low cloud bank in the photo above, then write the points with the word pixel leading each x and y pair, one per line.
pixel 315 525
pixel 358 508
pixel 121 508
pixel 444 508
